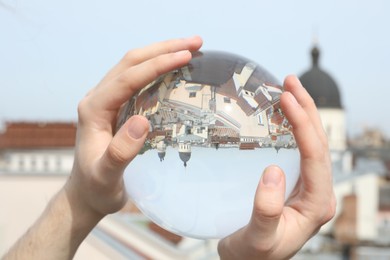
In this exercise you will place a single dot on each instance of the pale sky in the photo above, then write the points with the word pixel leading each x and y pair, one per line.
pixel 53 52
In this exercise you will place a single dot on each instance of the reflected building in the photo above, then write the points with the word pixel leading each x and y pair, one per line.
pixel 161 150
pixel 219 101
pixel 184 152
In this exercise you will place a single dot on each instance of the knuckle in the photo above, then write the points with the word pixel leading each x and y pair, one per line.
pixel 320 155
pixel 125 78
pixel 131 57
pixel 82 108
pixel 324 138
pixel 310 103
pixel 331 212
pixel 116 156
pixel 268 211
pixel 264 247
pixel 300 123
pixel 327 212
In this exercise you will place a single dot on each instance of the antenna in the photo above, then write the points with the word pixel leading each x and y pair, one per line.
pixel 315 37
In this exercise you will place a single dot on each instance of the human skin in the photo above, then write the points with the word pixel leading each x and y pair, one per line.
pixel 278 229
pixel 95 188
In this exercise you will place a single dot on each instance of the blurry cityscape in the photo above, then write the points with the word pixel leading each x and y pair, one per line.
pixel 36 158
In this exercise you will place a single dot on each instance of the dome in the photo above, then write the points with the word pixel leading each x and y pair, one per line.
pixel 320 85
pixel 185 152
pixel 185 157
pixel 161 155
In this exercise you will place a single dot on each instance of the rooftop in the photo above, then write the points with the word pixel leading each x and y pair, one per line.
pixel 36 135
pixel 320 85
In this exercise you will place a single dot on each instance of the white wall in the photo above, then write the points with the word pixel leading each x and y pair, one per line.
pixel 366 189
pixel 41 161
pixel 22 200
pixel 333 121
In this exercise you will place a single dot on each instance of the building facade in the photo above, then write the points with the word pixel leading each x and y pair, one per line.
pixel 36 159
pixel 35 162
pixel 359 179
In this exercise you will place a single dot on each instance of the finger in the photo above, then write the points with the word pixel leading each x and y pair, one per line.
pixel 304 131
pixel 137 56
pixel 123 148
pixel 132 80
pixel 315 162
pixel 268 206
pixel 140 55
pixel 293 85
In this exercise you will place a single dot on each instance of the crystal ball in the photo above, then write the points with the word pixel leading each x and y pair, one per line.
pixel 215 124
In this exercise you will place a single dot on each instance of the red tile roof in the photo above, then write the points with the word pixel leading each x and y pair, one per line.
pixel 27 135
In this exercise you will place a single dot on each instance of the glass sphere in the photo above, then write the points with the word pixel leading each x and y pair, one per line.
pixel 215 124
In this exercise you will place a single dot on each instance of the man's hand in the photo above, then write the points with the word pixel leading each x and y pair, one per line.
pixel 95 187
pixel 96 181
pixel 278 229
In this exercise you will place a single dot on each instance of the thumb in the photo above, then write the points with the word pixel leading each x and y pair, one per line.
pixel 125 145
pixel 268 205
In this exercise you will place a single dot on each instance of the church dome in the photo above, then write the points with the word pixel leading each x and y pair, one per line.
pixel 185 152
pixel 161 148
pixel 161 155
pixel 320 85
pixel 185 157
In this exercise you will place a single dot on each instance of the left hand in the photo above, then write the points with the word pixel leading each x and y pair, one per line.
pixel 278 229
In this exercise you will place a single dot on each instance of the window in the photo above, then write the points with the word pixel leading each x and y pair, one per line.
pixel 46 164
pixel 226 99
pixel 33 163
pixel 192 94
pixel 21 163
pixel 58 163
pixel 261 122
pixel 8 160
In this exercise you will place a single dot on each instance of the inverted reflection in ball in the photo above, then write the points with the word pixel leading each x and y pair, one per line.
pixel 215 124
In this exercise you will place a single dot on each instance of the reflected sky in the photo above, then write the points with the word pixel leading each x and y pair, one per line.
pixel 211 197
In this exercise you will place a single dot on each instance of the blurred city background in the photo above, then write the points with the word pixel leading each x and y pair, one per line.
pixel 52 53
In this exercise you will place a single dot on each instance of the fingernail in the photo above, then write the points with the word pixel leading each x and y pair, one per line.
pixel 136 129
pixel 272 176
